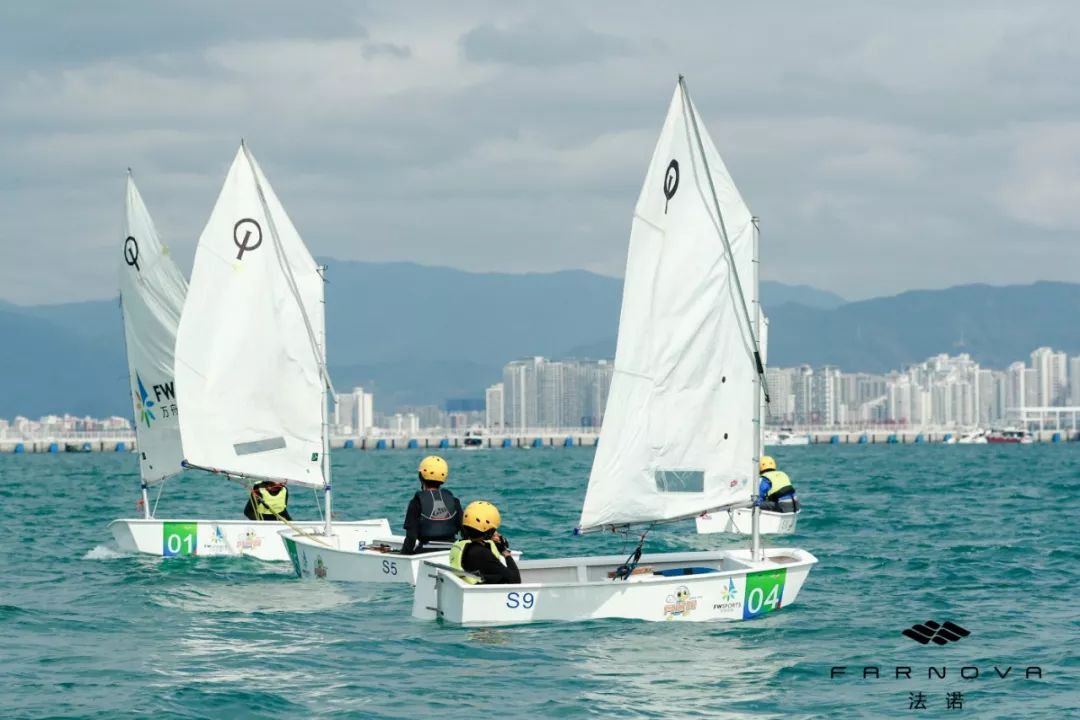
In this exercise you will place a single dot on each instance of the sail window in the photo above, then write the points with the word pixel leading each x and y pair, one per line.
pixel 680 480
pixel 258 446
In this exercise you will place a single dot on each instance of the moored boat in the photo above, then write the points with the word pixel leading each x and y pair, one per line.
pixel 1009 435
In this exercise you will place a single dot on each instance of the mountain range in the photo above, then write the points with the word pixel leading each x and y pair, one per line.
pixel 416 334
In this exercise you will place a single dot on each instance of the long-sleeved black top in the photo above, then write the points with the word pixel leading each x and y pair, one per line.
pixel 477 558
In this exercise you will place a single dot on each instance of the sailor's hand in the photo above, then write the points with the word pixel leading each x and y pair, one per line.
pixel 501 542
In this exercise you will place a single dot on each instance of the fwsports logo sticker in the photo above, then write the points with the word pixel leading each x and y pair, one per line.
pixel 939 634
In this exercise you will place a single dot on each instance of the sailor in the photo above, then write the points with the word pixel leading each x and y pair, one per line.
pixel 269 500
pixel 484 552
pixel 434 514
pixel 775 491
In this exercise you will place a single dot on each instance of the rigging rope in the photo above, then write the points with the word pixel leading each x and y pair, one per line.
pixel 624 571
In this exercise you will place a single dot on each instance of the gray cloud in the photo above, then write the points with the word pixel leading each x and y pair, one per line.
pixel 885 148
pixel 544 41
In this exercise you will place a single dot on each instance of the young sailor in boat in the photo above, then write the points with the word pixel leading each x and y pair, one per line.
pixel 434 514
pixel 484 551
pixel 775 492
pixel 268 501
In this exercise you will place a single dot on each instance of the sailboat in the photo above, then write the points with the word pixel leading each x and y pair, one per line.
pixel 680 434
pixel 152 290
pixel 250 371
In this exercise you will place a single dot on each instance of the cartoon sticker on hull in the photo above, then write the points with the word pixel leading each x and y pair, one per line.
pixel 248 541
pixel 680 604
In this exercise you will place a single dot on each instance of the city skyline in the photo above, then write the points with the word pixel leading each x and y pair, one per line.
pixel 941 391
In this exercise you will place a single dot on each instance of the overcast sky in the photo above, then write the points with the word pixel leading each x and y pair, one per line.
pixel 885 148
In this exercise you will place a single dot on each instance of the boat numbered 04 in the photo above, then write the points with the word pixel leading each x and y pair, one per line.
pixel 681 435
pixel 688 587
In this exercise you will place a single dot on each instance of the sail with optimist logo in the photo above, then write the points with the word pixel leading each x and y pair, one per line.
pixel 250 359
pixel 152 291
pixel 679 433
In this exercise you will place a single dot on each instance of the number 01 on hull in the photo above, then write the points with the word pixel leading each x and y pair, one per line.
pixel 691 586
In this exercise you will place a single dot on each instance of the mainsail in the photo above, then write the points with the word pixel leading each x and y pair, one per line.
pixel 152 290
pixel 249 352
pixel 678 432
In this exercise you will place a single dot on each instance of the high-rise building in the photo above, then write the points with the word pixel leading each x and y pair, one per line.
pixel 803 394
pixel 555 393
pixel 519 388
pixel 404 423
pixel 1074 381
pixel 825 389
pixel 1015 390
pixel 1051 376
pixel 493 407
pixel 781 407
pixel 354 412
pixel 597 385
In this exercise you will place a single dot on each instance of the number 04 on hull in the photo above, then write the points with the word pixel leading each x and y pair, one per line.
pixel 687 587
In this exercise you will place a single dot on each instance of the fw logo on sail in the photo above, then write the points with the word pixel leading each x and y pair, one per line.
pixel 143 403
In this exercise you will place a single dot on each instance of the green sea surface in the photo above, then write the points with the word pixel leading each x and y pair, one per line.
pixel 981 536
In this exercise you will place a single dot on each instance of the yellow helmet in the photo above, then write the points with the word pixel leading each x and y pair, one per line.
pixel 434 469
pixel 766 463
pixel 481 515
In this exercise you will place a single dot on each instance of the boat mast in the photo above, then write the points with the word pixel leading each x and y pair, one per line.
pixel 325 413
pixel 755 523
pixel 752 323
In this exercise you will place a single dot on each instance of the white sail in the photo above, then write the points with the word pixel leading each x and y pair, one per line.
pixel 249 363
pixel 677 437
pixel 152 290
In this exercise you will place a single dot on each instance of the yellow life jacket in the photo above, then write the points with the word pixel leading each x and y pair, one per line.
pixel 780 484
pixel 457 551
pixel 269 505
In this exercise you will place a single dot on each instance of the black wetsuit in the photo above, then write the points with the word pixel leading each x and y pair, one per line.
pixel 477 558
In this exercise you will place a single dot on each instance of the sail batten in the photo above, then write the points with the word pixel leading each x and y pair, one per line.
pixel 152 291
pixel 249 369
pixel 677 438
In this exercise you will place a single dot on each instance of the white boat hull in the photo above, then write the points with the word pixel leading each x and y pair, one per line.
pixel 578 589
pixel 347 556
pixel 213 538
pixel 739 522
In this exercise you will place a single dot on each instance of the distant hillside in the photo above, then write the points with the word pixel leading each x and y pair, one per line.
pixel 774 293
pixel 995 325
pixel 417 335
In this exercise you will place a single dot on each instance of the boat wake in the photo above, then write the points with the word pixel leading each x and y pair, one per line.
pixel 104 552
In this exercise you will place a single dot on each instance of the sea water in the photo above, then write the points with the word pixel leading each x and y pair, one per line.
pixel 982 536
